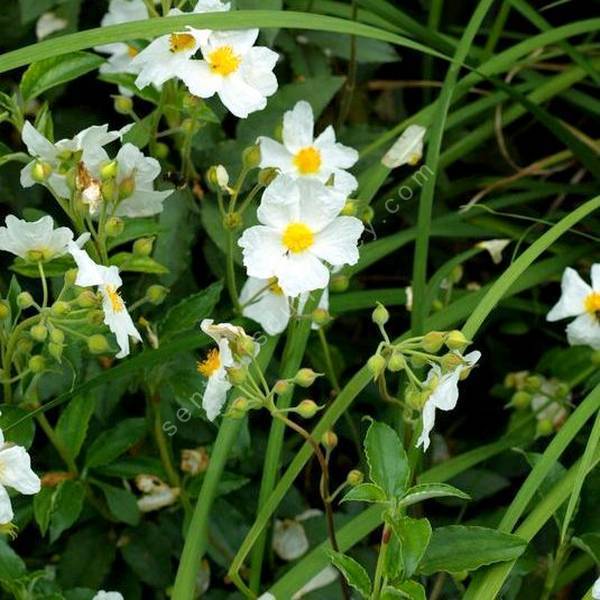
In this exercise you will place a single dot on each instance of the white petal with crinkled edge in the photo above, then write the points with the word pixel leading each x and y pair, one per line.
pixel 584 331
pixel 319 204
pixel 218 384
pixel 298 127
pixel 337 243
pixel 89 273
pixel 16 472
pixel 199 79
pixel 269 309
pixel 239 97
pixel 344 182
pixel 262 250
pixel 595 276
pixel 142 203
pixel 119 322
pixel 336 156
pixel 302 272
pixel 574 291
pixel 280 203
pixel 257 70
pixel 408 148
pixel 274 155
pixel 6 511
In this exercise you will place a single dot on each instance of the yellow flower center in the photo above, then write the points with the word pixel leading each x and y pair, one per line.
pixel 210 364
pixel 132 51
pixel 592 304
pixel 181 42
pixel 116 301
pixel 223 61
pixel 274 286
pixel 308 160
pixel 298 237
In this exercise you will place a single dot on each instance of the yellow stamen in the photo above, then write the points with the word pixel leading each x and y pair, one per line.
pixel 298 237
pixel 274 286
pixel 116 301
pixel 592 304
pixel 224 61
pixel 132 51
pixel 181 42
pixel 210 364
pixel 308 160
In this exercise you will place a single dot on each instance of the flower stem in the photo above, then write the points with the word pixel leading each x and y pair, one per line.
pixel 385 540
pixel 44 284
pixel 231 280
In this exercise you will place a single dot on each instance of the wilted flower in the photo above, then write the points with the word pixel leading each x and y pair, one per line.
pixel 289 539
pixel 108 281
pixel 37 241
pixel 301 155
pixel 48 24
pixel 495 248
pixel 300 230
pixel 582 301
pixel 408 149
pixel 194 461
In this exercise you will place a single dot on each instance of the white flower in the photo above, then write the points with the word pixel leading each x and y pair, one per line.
pixel 444 395
pixel 87 146
pixel 582 301
pixel 141 171
pixel 121 54
pixel 48 24
pixel 108 281
pixel 37 241
pixel 300 231
pixel 289 539
pixel 239 73
pixel 494 248
pixel 214 366
pixel 16 473
pixel 102 595
pixel 408 148
pixel 263 301
pixel 596 589
pixel 301 155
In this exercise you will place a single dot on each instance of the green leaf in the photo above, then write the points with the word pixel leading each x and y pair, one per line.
pixel 67 506
pixel 126 261
pixel 139 135
pixel 127 80
pixel 122 504
pixel 110 444
pixel 460 548
pixel 135 228
pixel 589 543
pixel 354 573
pixel 11 565
pixel 22 434
pixel 42 508
pixel 54 268
pixel 365 492
pixel 414 536
pixel 50 72
pixel 407 590
pixel 73 423
pixel 388 464
pixel 186 315
pixel 425 491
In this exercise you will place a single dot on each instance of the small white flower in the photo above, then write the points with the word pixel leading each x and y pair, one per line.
pixel 102 595
pixel 263 301
pixel 408 149
pixel 108 281
pixel 141 171
pixel 444 395
pixel 301 155
pixel 300 231
pixel 596 589
pixel 16 473
pixel 234 69
pixel 37 241
pixel 48 24
pixel 289 539
pixel 582 301
pixel 494 248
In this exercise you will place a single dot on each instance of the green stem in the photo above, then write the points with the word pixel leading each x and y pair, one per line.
pixel 231 280
pixel 57 443
pixel 385 542
pixel 44 284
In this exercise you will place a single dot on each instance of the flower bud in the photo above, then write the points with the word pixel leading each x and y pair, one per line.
pixel 457 273
pixel 437 305
pixel 307 409
pixel 544 428
pixel 520 400
pixel 251 157
pixel 355 477
pixel 282 387
pixel 305 377
pixel 4 310
pixel 161 150
pixel 329 439
pixel 39 332
pixel 190 102
pixel 194 461
pixel 267 176
pixel 562 390
pixel 246 346
pixel 143 247
pixel 25 300
pixel 367 214
pixel 109 170
pixel 126 188
pixel 57 336
pixel 456 340
pixel 55 351
pixel 451 361
pixel 60 308
pixel 433 341
pixel 397 362
pixel 156 294
pixel 239 407
pixel 37 363
pixel 237 375
pixel 339 283
pixel 41 171
pixel 380 315
pixel 108 189
pixel 349 209
pixel 123 104
pixel 376 365
pixel 320 317
pixel 417 361
pixel 70 277
pixel 114 227
pixel 95 317
pixel 233 221
pixel 98 344
pixel 416 398
pixel 24 346
pixel 87 299
pixel 189 126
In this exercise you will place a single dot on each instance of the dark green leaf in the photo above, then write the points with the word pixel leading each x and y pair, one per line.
pixel 365 492
pixel 354 573
pixel 67 506
pixel 425 491
pixel 114 442
pixel 11 565
pixel 127 261
pixel 122 504
pixel 414 536
pixel 73 422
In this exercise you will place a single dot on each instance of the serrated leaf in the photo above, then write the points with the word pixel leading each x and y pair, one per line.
pixel 126 261
pixel 73 422
pixel 48 73
pixel 67 506
pixel 388 464
pixel 407 590
pixel 353 572
pixel 42 508
pixel 134 229
pixel 114 442
pixel 365 492
pixel 466 548
pixel 414 536
pixel 122 504
pixel 425 491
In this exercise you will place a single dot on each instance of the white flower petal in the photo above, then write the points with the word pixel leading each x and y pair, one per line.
pixel 319 204
pixel 142 203
pixel 596 589
pixel 274 155
pixel 262 251
pixel 240 97
pixel 322 579
pixel 344 182
pixel 584 331
pixel 269 309
pixel 240 40
pixel 199 79
pixel 120 323
pixel 571 303
pixel 6 511
pixel 280 204
pixel 48 24
pixel 102 595
pixel 408 148
pixel 337 243
pixel 494 248
pixel 289 539
pixel 37 144
pixel 257 70
pixel 337 156
pixel 595 276
pixel 298 127
pixel 16 472
pixel 302 272
pixel 215 394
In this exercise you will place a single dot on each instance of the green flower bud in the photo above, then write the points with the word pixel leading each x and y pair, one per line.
pixel 282 387
pixel 320 317
pixel 57 336
pixel 190 102
pixel 107 189
pixel 349 209
pixel 39 332
pixel 450 361
pixel 376 364
pixel 24 346
pixel 161 151
pixel 418 361
pixel 456 340
pixel 60 308
pixel 239 407
pixel 307 409
pixel 126 188
pixel 143 247
pixel 114 227
pixel 339 283
pixel 189 126
pixel 457 273
pixel 37 363
pixel 305 377
pixel 397 362
pixel 437 305
pixel 329 439
pixel 245 346
pixel 123 104
pixel 367 214
pixel 87 299
pixel 433 341
pixel 25 300
pixel 416 398
pixel 4 310
pixel 562 390
pixel 156 294
pixel 251 157
pixel 70 277
pixel 544 428
pixel 520 400
pixel 55 351
pixel 355 477
pixel 233 221
pixel 237 375
pixel 109 170
pixel 95 317
pixel 98 344
pixel 533 383
pixel 41 171
pixel 267 176
pixel 380 315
